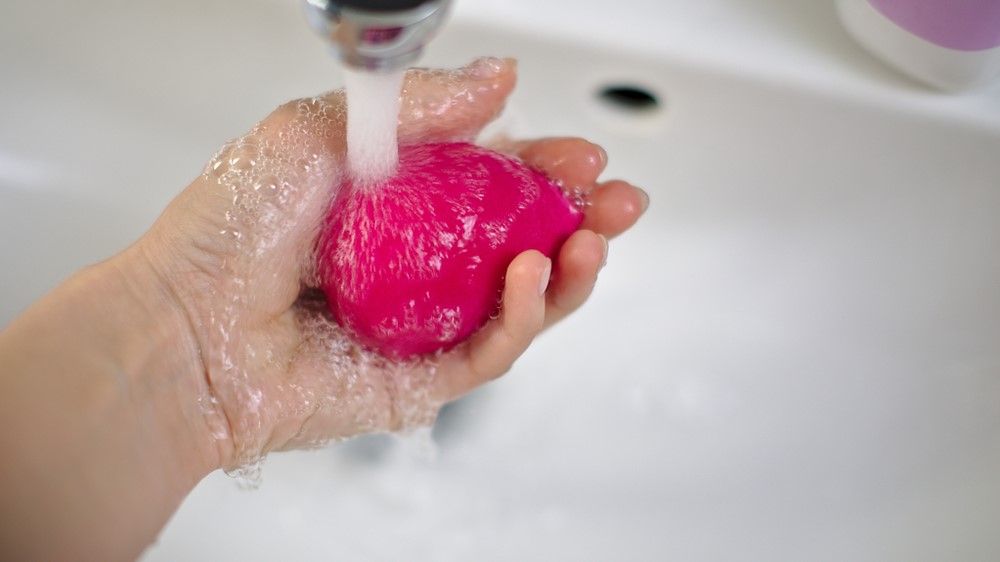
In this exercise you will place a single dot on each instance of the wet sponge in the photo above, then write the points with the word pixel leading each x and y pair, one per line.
pixel 416 263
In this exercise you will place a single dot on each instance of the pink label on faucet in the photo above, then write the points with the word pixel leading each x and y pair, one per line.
pixel 964 25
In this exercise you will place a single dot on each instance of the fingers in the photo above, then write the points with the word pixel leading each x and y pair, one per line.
pixel 574 162
pixel 491 351
pixel 614 207
pixel 579 261
pixel 443 105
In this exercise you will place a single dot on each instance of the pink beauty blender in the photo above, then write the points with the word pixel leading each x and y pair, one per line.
pixel 416 263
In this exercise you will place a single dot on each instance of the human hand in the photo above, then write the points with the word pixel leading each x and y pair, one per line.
pixel 271 369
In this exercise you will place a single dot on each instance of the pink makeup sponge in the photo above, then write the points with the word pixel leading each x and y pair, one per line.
pixel 416 263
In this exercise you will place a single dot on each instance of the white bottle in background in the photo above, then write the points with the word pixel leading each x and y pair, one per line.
pixel 949 44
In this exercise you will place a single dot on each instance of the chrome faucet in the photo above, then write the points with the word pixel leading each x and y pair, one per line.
pixel 377 35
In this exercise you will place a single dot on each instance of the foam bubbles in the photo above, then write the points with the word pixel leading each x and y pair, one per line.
pixel 282 373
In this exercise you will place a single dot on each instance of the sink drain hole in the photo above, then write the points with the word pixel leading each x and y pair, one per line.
pixel 629 97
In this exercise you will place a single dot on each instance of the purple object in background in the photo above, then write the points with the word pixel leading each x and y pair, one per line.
pixel 964 25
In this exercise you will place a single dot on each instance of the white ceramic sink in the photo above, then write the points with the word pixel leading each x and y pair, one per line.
pixel 795 356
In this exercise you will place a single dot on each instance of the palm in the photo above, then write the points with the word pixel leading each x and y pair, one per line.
pixel 281 372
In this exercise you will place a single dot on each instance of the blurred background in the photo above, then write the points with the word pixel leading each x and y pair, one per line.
pixel 794 356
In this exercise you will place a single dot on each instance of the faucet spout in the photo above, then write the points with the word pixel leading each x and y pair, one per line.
pixel 377 35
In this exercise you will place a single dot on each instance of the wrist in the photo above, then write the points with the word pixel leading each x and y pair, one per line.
pixel 157 351
pixel 105 425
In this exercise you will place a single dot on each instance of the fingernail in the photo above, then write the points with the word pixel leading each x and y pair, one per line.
pixel 603 155
pixel 645 199
pixel 543 282
pixel 485 68
pixel 604 260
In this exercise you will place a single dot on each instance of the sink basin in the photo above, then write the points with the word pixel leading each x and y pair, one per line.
pixel 795 355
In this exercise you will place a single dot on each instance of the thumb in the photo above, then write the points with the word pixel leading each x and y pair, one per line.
pixel 436 105
pixel 441 105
